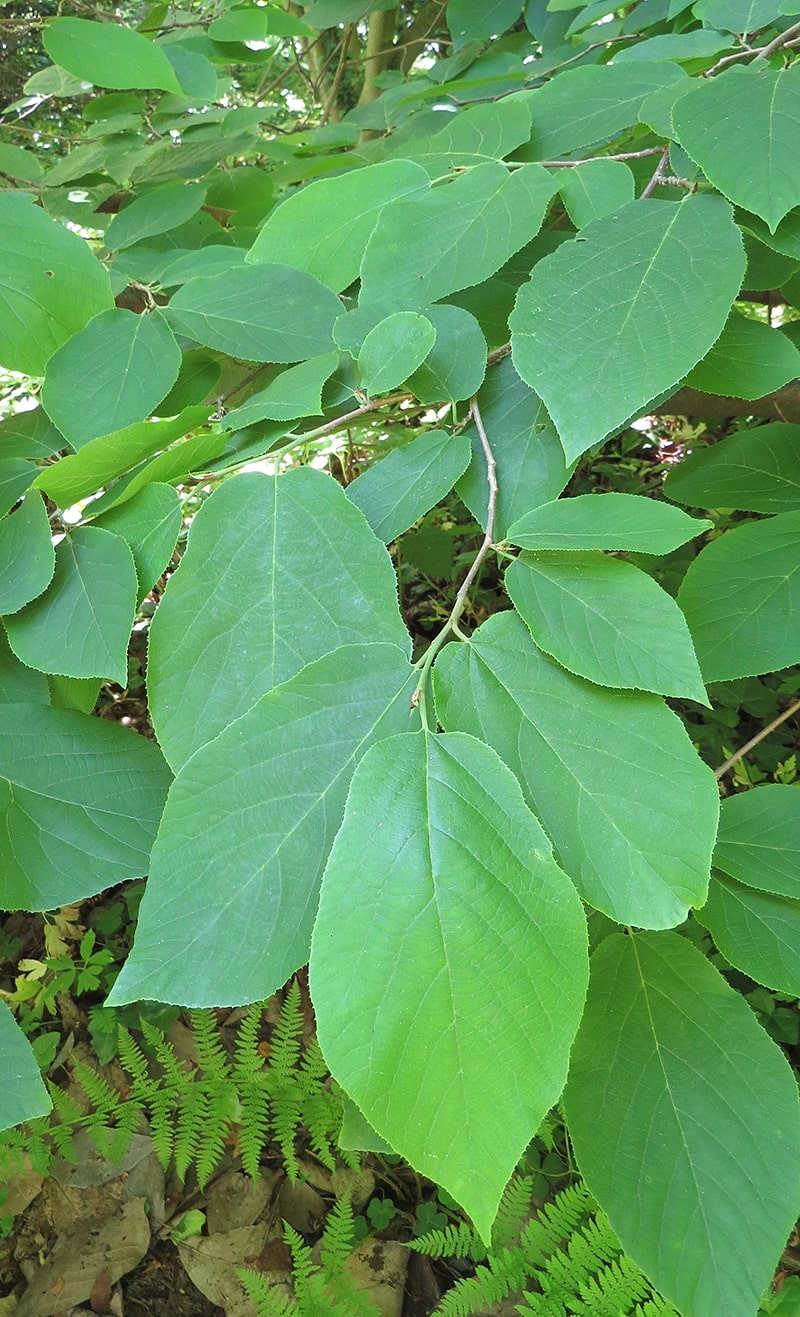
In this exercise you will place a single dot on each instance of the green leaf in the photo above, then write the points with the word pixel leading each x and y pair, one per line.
pixel 743 131
pixel 108 55
pixel 80 626
pixel 595 189
pixel 357 1133
pixel 258 313
pixel 686 46
pixel 179 267
pixel 155 212
pixel 29 434
pixel 452 237
pixel 603 327
pixel 630 808
pixel 748 360
pixel 456 364
pixel 588 105
pixel 393 350
pixel 754 470
pixel 149 523
pixel 278 571
pixel 19 684
pixel 471 137
pixel 16 475
pixel 606 620
pixel 294 753
pixel 324 228
pixel 757 931
pixel 743 16
pixel 51 284
pixel 605 521
pixel 197 378
pixel 126 364
pixel 24 1096
pixel 73 692
pixel 397 491
pixel 329 13
pixel 759 839
pixel 296 392
pixel 195 453
pixel 102 459
pixel 741 597
pixel 531 467
pixel 675 1086
pixel 27 560
pixel 19 163
pixel 79 817
pixel 469 20
pixel 458 919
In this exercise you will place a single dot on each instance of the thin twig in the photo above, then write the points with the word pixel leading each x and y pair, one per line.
pixel 658 176
pixel 590 160
pixel 778 41
pixel 755 740
pixel 345 420
pixel 785 38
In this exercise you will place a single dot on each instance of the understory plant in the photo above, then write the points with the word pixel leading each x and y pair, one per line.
pixel 276 283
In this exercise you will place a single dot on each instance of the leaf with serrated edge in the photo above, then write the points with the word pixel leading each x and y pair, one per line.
pixel 397 491
pixel 674 1085
pixel 27 559
pixel 755 471
pixel 81 624
pixel 23 1095
pixel 606 620
pixel 759 839
pixel 457 918
pixel 617 316
pixel 605 521
pixel 631 809
pixel 80 800
pixel 758 932
pixel 261 803
pixel 741 597
pixel 278 571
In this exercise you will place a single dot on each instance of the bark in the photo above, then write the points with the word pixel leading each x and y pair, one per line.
pixel 782 405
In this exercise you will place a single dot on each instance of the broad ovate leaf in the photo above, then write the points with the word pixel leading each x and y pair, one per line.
pixel 23 1095
pixel 81 624
pixel 409 481
pixel 741 597
pixel 324 228
pixel 278 571
pixel 27 559
pixel 126 364
pixel 630 808
pixel 443 913
pixel 604 326
pixel 595 189
pixel 149 523
pixel 605 521
pixel 260 804
pixel 164 208
pixel 51 284
pixel 80 800
pixel 606 620
pixel 674 1085
pixel 108 55
pixel 754 470
pixel 759 839
pixel 748 360
pixel 744 132
pixel 456 364
pixel 393 350
pixel 296 392
pixel 757 931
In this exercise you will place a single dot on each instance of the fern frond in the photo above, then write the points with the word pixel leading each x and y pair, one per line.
pixel 286 1036
pixel 134 1063
pixel 303 1268
pixel 254 1123
pixel 265 1298
pixel 222 1109
pixel 556 1221
pixel 162 1126
pixel 338 1236
pixel 321 1116
pixel 210 1052
pixel 455 1241
pixel 175 1072
pixel 248 1063
pixel 505 1273
pixel 285 1117
pixel 515 1206
pixel 104 1099
pixel 191 1120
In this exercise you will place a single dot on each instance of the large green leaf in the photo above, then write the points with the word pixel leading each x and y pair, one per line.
pixel 605 521
pixel 16 475
pixel 393 350
pixel 155 212
pixel 51 284
pixel 324 228
pixel 278 571
pixel 462 957
pixel 397 491
pixel 296 392
pixel 453 236
pixel 126 364
pixel 102 459
pixel 759 839
pixel 456 364
pixel 195 453
pixel 80 800
pixel 29 434
pixel 27 560
pixel 745 16
pixel 473 136
pixel 604 327
pixel 23 1095
pixel 606 620
pixel 108 55
pixel 471 19
pixel 683 1114
pixel 587 105
pixel 258 313
pixel 744 132
pixel 630 808
pixel 531 467
pixel 18 683
pixel 755 470
pixel 756 931
pixel 595 189
pixel 260 804
pixel 80 626
pixel 748 360
pixel 741 597
pixel 149 523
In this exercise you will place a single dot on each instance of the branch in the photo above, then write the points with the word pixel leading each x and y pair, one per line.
pixel 755 740
pixel 782 405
